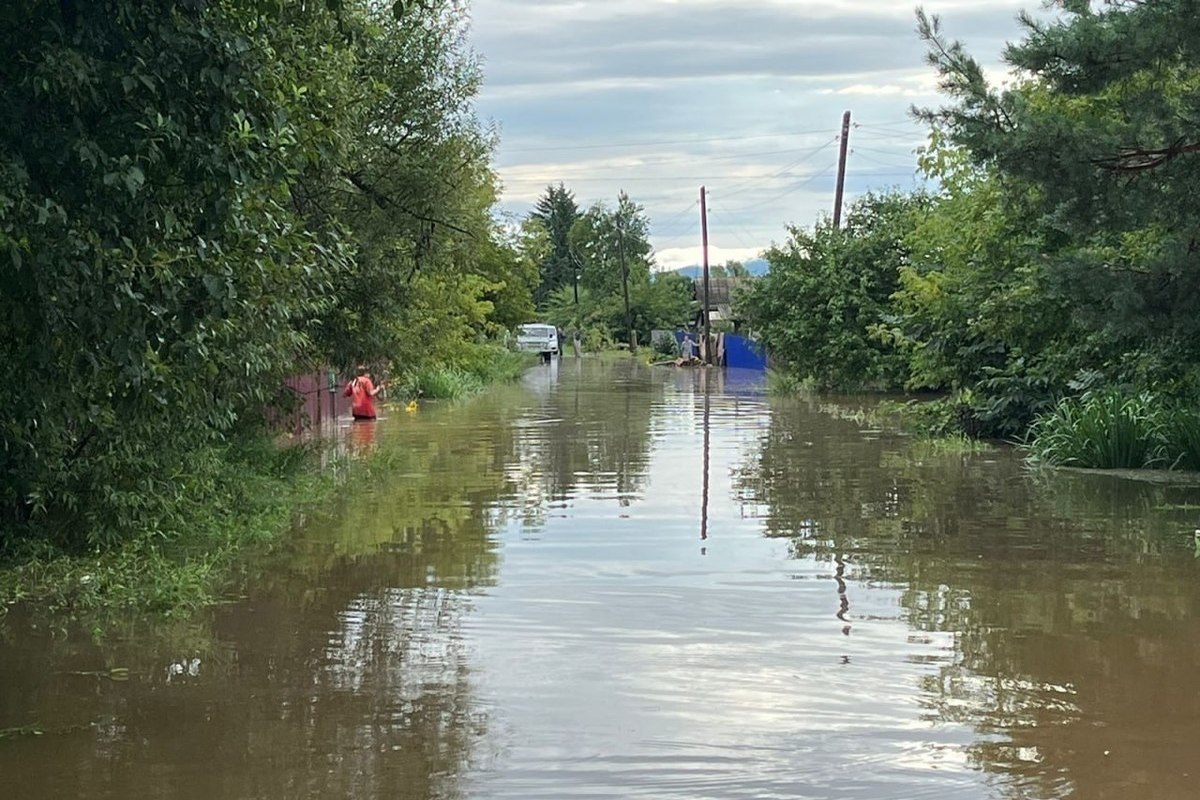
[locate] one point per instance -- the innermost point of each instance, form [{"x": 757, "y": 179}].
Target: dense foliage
[
  {"x": 1060, "y": 252},
  {"x": 829, "y": 289},
  {"x": 554, "y": 215},
  {"x": 600, "y": 280},
  {"x": 198, "y": 198}
]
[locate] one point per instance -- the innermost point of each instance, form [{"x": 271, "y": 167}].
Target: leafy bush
[
  {"x": 666, "y": 347},
  {"x": 597, "y": 339},
  {"x": 822, "y": 308}
]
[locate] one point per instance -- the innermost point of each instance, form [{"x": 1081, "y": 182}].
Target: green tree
[
  {"x": 156, "y": 277},
  {"x": 197, "y": 199},
  {"x": 615, "y": 256},
  {"x": 557, "y": 212},
  {"x": 820, "y": 308},
  {"x": 1096, "y": 144},
  {"x": 730, "y": 269},
  {"x": 977, "y": 311},
  {"x": 411, "y": 188}
]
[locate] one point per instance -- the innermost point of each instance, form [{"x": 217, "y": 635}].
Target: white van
[{"x": 538, "y": 337}]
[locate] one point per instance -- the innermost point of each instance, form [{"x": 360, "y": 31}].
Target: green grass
[
  {"x": 1182, "y": 435},
  {"x": 785, "y": 384},
  {"x": 954, "y": 445},
  {"x": 483, "y": 366},
  {"x": 1109, "y": 430}
]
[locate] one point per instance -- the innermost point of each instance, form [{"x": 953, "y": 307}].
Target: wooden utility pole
[
  {"x": 841, "y": 174},
  {"x": 575, "y": 267},
  {"x": 704, "y": 260},
  {"x": 625, "y": 282}
]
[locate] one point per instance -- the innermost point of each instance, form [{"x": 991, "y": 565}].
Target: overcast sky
[{"x": 657, "y": 97}]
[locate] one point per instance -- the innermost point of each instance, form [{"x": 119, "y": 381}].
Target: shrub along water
[
  {"x": 237, "y": 498},
  {"x": 232, "y": 501},
  {"x": 196, "y": 201},
  {"x": 1032, "y": 268},
  {"x": 485, "y": 365},
  {"x": 1116, "y": 430}
]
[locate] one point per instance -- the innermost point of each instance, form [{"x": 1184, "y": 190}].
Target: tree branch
[
  {"x": 1141, "y": 159},
  {"x": 386, "y": 201}
]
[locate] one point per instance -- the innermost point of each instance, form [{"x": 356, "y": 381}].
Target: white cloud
[
  {"x": 658, "y": 97},
  {"x": 676, "y": 257}
]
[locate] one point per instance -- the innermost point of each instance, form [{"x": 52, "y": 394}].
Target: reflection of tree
[
  {"x": 342, "y": 674},
  {"x": 1071, "y": 598},
  {"x": 585, "y": 435}
]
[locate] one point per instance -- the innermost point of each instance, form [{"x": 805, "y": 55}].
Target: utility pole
[
  {"x": 704, "y": 242},
  {"x": 625, "y": 281},
  {"x": 576, "y": 266},
  {"x": 841, "y": 174}
]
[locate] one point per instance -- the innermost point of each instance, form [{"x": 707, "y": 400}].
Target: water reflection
[
  {"x": 343, "y": 673},
  {"x": 583, "y": 438},
  {"x": 1072, "y": 599},
  {"x": 707, "y": 453},
  {"x": 512, "y": 603}
]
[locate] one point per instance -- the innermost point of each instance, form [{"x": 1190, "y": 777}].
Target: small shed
[{"x": 721, "y": 292}]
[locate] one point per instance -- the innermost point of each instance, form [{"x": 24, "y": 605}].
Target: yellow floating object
[{"x": 411, "y": 407}]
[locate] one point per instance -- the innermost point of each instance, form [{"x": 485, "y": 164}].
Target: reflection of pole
[
  {"x": 704, "y": 480},
  {"x": 843, "y": 601},
  {"x": 704, "y": 260},
  {"x": 625, "y": 283}
]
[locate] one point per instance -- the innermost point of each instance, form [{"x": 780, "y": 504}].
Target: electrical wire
[
  {"x": 654, "y": 143},
  {"x": 743, "y": 186},
  {"x": 795, "y": 188},
  {"x": 872, "y": 160}
]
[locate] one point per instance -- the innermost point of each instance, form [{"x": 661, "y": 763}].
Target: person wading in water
[{"x": 362, "y": 391}]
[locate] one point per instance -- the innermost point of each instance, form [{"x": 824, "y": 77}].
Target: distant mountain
[{"x": 755, "y": 266}]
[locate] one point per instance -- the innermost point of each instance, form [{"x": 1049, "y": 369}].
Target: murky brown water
[{"x": 617, "y": 582}]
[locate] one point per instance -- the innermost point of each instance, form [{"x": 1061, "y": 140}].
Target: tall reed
[
  {"x": 1183, "y": 438},
  {"x": 1107, "y": 430}
]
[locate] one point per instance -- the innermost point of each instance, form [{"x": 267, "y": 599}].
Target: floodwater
[{"x": 612, "y": 581}]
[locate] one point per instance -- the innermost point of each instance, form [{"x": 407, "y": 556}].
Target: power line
[
  {"x": 668, "y": 178},
  {"x": 679, "y": 215},
  {"x": 652, "y": 143},
  {"x": 743, "y": 186},
  {"x": 741, "y": 182},
  {"x": 872, "y": 160},
  {"x": 795, "y": 188},
  {"x": 685, "y": 159},
  {"x": 870, "y": 149},
  {"x": 892, "y": 122}
]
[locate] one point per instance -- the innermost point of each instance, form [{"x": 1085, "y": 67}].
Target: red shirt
[{"x": 362, "y": 392}]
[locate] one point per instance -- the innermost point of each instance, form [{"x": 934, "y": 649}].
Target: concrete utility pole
[
  {"x": 841, "y": 175},
  {"x": 704, "y": 242}
]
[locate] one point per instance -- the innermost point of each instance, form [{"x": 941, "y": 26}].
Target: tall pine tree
[{"x": 557, "y": 213}]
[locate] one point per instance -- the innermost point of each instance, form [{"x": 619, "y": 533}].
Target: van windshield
[{"x": 539, "y": 331}]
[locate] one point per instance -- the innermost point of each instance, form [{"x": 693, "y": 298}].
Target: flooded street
[{"x": 612, "y": 581}]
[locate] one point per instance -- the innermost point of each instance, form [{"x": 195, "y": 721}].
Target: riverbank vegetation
[
  {"x": 487, "y": 364},
  {"x": 196, "y": 201},
  {"x": 1047, "y": 280}
]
